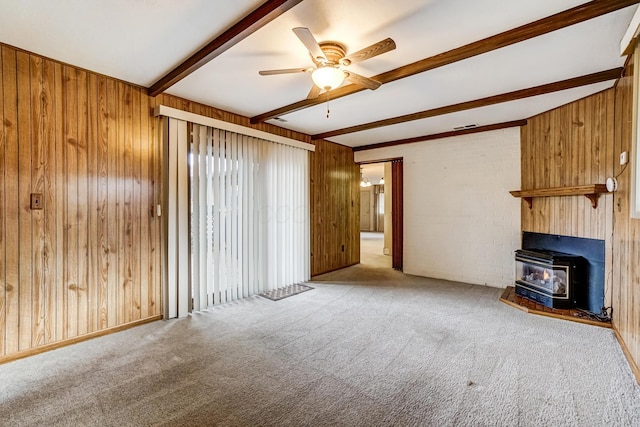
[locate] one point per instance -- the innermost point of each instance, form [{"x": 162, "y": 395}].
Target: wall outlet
[
  {"x": 624, "y": 158},
  {"x": 386, "y": 251},
  {"x": 36, "y": 201}
]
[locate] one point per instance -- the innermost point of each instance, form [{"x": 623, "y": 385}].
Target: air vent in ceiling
[
  {"x": 466, "y": 127},
  {"x": 281, "y": 120}
]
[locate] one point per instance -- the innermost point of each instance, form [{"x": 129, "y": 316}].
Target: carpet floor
[{"x": 366, "y": 347}]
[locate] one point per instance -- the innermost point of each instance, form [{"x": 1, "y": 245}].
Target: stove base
[{"x": 545, "y": 300}]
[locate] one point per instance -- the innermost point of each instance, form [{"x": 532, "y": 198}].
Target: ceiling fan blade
[
  {"x": 284, "y": 71},
  {"x": 314, "y": 92},
  {"x": 369, "y": 52},
  {"x": 362, "y": 80},
  {"x": 305, "y": 36}
]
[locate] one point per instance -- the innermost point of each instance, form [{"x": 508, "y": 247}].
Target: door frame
[{"x": 397, "y": 211}]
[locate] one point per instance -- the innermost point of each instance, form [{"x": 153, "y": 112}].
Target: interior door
[{"x": 365, "y": 210}]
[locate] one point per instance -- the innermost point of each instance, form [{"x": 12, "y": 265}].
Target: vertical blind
[{"x": 249, "y": 222}]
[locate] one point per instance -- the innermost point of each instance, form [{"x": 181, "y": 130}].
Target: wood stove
[{"x": 554, "y": 279}]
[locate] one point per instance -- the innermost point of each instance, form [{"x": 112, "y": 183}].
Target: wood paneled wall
[
  {"x": 626, "y": 231},
  {"x": 580, "y": 143},
  {"x": 334, "y": 190},
  {"x": 89, "y": 260},
  {"x": 571, "y": 145},
  {"x": 335, "y": 208}
]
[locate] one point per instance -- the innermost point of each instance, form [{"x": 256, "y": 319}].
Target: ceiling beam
[
  {"x": 537, "y": 28},
  {"x": 264, "y": 14},
  {"x": 588, "y": 79},
  {"x": 486, "y": 128}
]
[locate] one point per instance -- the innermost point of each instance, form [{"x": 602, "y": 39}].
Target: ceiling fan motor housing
[{"x": 334, "y": 52}]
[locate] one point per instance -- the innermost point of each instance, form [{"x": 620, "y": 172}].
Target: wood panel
[
  {"x": 82, "y": 288},
  {"x": 3, "y": 283},
  {"x": 38, "y": 298},
  {"x": 92, "y": 205},
  {"x": 58, "y": 196},
  {"x": 113, "y": 158},
  {"x": 25, "y": 269},
  {"x": 579, "y": 144},
  {"x": 334, "y": 190},
  {"x": 335, "y": 208},
  {"x": 12, "y": 237},
  {"x": 70, "y": 209},
  {"x": 571, "y": 146},
  {"x": 567, "y": 147},
  {"x": 101, "y": 248},
  {"x": 87, "y": 261},
  {"x": 90, "y": 261},
  {"x": 626, "y": 231},
  {"x": 50, "y": 237}
]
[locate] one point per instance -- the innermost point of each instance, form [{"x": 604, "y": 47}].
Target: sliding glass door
[{"x": 249, "y": 224}]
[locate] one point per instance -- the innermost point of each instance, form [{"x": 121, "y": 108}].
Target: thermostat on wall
[{"x": 612, "y": 184}]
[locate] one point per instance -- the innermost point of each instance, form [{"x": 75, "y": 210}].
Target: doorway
[{"x": 375, "y": 215}]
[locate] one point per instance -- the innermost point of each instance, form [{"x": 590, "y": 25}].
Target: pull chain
[{"x": 328, "y": 111}]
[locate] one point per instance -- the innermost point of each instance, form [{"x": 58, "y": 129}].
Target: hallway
[{"x": 372, "y": 250}]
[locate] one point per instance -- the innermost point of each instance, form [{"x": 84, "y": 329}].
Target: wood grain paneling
[
  {"x": 579, "y": 144},
  {"x": 99, "y": 226},
  {"x": 626, "y": 231},
  {"x": 92, "y": 203},
  {"x": 83, "y": 263},
  {"x": 25, "y": 269},
  {"x": 89, "y": 262},
  {"x": 335, "y": 208},
  {"x": 3, "y": 284},
  {"x": 12, "y": 236},
  {"x": 334, "y": 190},
  {"x": 567, "y": 147},
  {"x": 50, "y": 201}
]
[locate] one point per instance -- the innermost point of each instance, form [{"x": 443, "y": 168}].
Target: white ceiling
[{"x": 141, "y": 40}]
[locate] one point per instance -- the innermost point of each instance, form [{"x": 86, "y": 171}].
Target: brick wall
[{"x": 460, "y": 221}]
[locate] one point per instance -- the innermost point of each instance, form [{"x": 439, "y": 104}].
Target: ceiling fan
[{"x": 330, "y": 60}]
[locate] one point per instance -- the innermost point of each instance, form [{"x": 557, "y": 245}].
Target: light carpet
[{"x": 368, "y": 347}]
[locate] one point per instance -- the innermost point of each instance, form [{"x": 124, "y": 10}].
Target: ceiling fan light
[{"x": 328, "y": 78}]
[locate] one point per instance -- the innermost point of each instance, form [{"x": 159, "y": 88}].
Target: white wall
[{"x": 460, "y": 222}]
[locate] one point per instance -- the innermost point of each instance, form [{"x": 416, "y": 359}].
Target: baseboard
[
  {"x": 627, "y": 354},
  {"x": 70, "y": 341}
]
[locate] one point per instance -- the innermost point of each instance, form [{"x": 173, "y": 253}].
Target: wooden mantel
[{"x": 591, "y": 191}]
